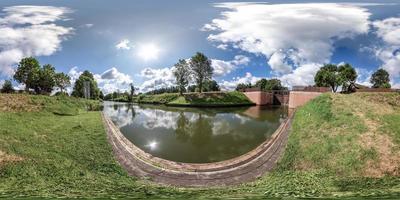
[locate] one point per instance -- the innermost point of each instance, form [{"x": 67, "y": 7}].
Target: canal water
[{"x": 195, "y": 135}]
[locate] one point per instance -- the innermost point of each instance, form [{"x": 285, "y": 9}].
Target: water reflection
[{"x": 193, "y": 134}]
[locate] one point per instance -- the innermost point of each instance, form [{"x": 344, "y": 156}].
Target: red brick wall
[
  {"x": 299, "y": 98},
  {"x": 259, "y": 98}
]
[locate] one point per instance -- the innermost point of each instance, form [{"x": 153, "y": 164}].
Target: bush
[{"x": 7, "y": 87}]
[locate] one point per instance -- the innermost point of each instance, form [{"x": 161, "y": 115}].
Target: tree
[
  {"x": 182, "y": 74},
  {"x": 328, "y": 76},
  {"x": 46, "y": 80},
  {"x": 274, "y": 84},
  {"x": 62, "y": 81},
  {"x": 262, "y": 83},
  {"x": 243, "y": 86},
  {"x": 380, "y": 79},
  {"x": 79, "y": 86},
  {"x": 101, "y": 95},
  {"x": 201, "y": 69},
  {"x": 271, "y": 84},
  {"x": 132, "y": 92},
  {"x": 348, "y": 76},
  {"x": 27, "y": 72},
  {"x": 211, "y": 86},
  {"x": 7, "y": 87},
  {"x": 192, "y": 88}
]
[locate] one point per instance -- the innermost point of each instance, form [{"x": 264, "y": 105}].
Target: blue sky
[{"x": 140, "y": 41}]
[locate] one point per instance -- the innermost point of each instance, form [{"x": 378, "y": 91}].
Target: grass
[
  {"x": 340, "y": 146},
  {"x": 197, "y": 99}
]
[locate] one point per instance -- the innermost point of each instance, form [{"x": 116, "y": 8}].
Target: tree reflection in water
[{"x": 195, "y": 134}]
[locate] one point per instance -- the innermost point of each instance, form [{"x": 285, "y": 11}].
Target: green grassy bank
[
  {"x": 340, "y": 146},
  {"x": 216, "y": 99}
]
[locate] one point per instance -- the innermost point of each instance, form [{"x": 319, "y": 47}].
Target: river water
[{"x": 195, "y": 135}]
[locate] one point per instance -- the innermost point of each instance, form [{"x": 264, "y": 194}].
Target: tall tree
[
  {"x": 27, "y": 72},
  {"x": 262, "y": 83},
  {"x": 182, "y": 74},
  {"x": 328, "y": 76},
  {"x": 201, "y": 68},
  {"x": 78, "y": 90},
  {"x": 211, "y": 86},
  {"x": 132, "y": 92},
  {"x": 46, "y": 81},
  {"x": 380, "y": 79},
  {"x": 348, "y": 76},
  {"x": 7, "y": 87},
  {"x": 62, "y": 81}
]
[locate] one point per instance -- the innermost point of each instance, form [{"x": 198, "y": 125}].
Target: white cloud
[
  {"x": 295, "y": 38},
  {"x": 364, "y": 76},
  {"x": 123, "y": 44},
  {"x": 231, "y": 85},
  {"x": 109, "y": 81},
  {"x": 87, "y": 25},
  {"x": 222, "y": 67},
  {"x": 30, "y": 31},
  {"x": 389, "y": 53},
  {"x": 164, "y": 77},
  {"x": 157, "y": 78}
]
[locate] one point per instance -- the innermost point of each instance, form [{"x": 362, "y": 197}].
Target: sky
[{"x": 123, "y": 42}]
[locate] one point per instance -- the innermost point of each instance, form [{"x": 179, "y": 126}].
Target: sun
[{"x": 148, "y": 51}]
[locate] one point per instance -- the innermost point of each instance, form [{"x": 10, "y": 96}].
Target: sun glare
[{"x": 148, "y": 51}]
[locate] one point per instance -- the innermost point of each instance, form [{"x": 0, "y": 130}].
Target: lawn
[
  {"x": 340, "y": 146},
  {"x": 208, "y": 99}
]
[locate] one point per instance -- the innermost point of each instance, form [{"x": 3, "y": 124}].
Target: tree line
[
  {"x": 44, "y": 79},
  {"x": 263, "y": 84},
  {"x": 345, "y": 76}
]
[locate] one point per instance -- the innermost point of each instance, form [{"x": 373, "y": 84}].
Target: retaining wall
[{"x": 299, "y": 98}]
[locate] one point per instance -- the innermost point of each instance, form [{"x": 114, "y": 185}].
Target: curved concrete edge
[{"x": 234, "y": 171}]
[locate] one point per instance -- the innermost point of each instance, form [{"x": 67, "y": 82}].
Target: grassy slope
[
  {"x": 336, "y": 148},
  {"x": 197, "y": 99},
  {"x": 340, "y": 145}
]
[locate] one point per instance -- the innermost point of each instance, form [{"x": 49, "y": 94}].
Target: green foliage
[
  {"x": 78, "y": 90},
  {"x": 211, "y": 86},
  {"x": 212, "y": 99},
  {"x": 201, "y": 69},
  {"x": 192, "y": 88},
  {"x": 348, "y": 75},
  {"x": 62, "y": 81},
  {"x": 158, "y": 98},
  {"x": 7, "y": 87},
  {"x": 270, "y": 84},
  {"x": 41, "y": 79},
  {"x": 380, "y": 79},
  {"x": 132, "y": 92},
  {"x": 27, "y": 72},
  {"x": 242, "y": 86},
  {"x": 333, "y": 76},
  {"x": 182, "y": 75},
  {"x": 328, "y": 76},
  {"x": 46, "y": 81}
]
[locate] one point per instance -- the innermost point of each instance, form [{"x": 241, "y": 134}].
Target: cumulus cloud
[
  {"x": 109, "y": 81},
  {"x": 157, "y": 78},
  {"x": 164, "y": 77},
  {"x": 123, "y": 44},
  {"x": 389, "y": 31},
  {"x": 30, "y": 31},
  {"x": 231, "y": 85},
  {"x": 222, "y": 67},
  {"x": 295, "y": 38}
]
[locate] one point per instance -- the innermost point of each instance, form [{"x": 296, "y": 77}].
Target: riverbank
[
  {"x": 339, "y": 146},
  {"x": 208, "y": 99}
]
